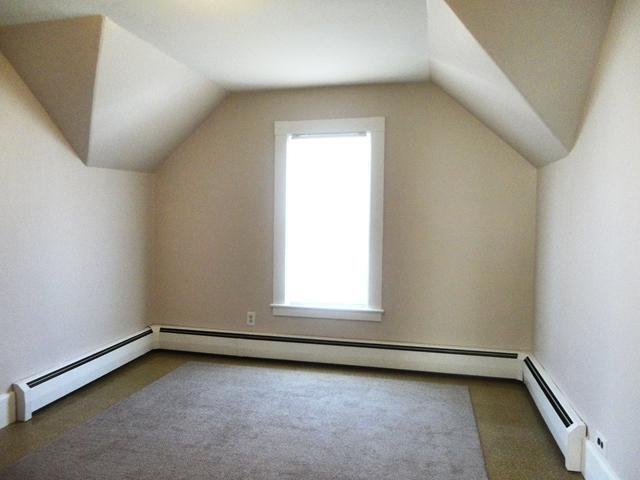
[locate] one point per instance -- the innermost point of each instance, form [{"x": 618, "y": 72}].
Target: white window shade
[{"x": 327, "y": 229}]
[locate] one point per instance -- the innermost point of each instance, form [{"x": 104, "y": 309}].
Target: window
[{"x": 328, "y": 218}]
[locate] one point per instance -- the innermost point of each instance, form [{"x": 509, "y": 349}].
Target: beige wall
[
  {"x": 458, "y": 234},
  {"x": 588, "y": 280},
  {"x": 74, "y": 243}
]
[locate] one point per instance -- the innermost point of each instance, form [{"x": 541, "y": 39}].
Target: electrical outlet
[
  {"x": 601, "y": 442},
  {"x": 251, "y": 318}
]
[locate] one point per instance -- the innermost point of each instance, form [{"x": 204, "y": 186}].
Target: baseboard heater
[
  {"x": 42, "y": 389},
  {"x": 344, "y": 352},
  {"x": 564, "y": 423}
]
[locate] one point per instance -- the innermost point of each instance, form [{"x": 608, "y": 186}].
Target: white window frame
[{"x": 376, "y": 127}]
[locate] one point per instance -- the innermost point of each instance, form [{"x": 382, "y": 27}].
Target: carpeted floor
[{"x": 205, "y": 421}]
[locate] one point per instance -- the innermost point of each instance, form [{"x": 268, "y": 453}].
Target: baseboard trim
[
  {"x": 460, "y": 361},
  {"x": 596, "y": 466},
  {"x": 7, "y": 409}
]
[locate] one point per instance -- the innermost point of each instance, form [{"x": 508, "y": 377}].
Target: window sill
[{"x": 358, "y": 314}]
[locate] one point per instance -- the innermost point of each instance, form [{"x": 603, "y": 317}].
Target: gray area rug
[{"x": 207, "y": 421}]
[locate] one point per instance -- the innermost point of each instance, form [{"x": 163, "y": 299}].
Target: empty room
[{"x": 320, "y": 240}]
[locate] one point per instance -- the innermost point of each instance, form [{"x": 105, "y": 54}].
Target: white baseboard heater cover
[
  {"x": 344, "y": 352},
  {"x": 42, "y": 389},
  {"x": 564, "y": 423}
]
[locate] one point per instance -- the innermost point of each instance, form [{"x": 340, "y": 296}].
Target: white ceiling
[{"x": 249, "y": 44}]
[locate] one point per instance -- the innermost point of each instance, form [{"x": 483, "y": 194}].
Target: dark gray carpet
[{"x": 206, "y": 421}]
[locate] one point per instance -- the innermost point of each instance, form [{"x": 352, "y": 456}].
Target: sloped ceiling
[
  {"x": 547, "y": 48},
  {"x": 523, "y": 67},
  {"x": 461, "y": 67},
  {"x": 119, "y": 101},
  {"x": 58, "y": 61},
  {"x": 145, "y": 103}
]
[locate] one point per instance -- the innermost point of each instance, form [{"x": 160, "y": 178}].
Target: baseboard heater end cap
[{"x": 23, "y": 401}]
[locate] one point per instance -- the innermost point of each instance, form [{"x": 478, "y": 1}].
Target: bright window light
[
  {"x": 327, "y": 212},
  {"x": 329, "y": 182}
]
